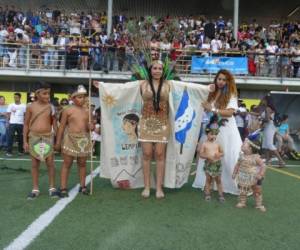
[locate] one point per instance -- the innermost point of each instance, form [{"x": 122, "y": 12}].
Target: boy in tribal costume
[
  {"x": 74, "y": 139},
  {"x": 39, "y": 125}
]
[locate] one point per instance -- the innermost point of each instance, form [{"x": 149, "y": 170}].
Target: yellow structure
[{"x": 9, "y": 96}]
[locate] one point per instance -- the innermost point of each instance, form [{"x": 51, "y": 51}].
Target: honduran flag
[{"x": 184, "y": 118}]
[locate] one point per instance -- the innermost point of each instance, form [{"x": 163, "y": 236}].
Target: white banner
[
  {"x": 120, "y": 151},
  {"x": 121, "y": 154},
  {"x": 185, "y": 119}
]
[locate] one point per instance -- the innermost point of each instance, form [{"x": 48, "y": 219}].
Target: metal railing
[{"x": 104, "y": 58}]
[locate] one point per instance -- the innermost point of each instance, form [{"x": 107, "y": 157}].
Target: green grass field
[{"x": 121, "y": 219}]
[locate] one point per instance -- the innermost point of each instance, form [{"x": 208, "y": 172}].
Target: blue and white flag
[
  {"x": 185, "y": 121},
  {"x": 184, "y": 118}
]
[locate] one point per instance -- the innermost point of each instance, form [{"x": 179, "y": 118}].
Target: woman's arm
[
  {"x": 222, "y": 112},
  {"x": 225, "y": 112}
]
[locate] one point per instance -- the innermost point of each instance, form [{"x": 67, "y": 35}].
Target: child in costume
[
  {"x": 212, "y": 152},
  {"x": 73, "y": 138},
  {"x": 39, "y": 124},
  {"x": 249, "y": 172}
]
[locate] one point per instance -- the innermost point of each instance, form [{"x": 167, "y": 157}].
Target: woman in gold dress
[{"x": 154, "y": 126}]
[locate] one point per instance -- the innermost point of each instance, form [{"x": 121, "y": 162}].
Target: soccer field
[{"x": 121, "y": 219}]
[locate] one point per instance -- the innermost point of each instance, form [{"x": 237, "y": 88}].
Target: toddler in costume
[
  {"x": 212, "y": 152},
  {"x": 249, "y": 172}
]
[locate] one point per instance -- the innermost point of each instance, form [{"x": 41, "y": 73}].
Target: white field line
[{"x": 45, "y": 219}]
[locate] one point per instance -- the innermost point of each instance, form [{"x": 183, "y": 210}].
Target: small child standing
[
  {"x": 39, "y": 124},
  {"x": 212, "y": 152},
  {"x": 73, "y": 135},
  {"x": 249, "y": 173}
]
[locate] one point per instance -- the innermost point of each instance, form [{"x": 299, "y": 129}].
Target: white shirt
[
  {"x": 205, "y": 46},
  {"x": 3, "y": 35},
  {"x": 272, "y": 49},
  {"x": 239, "y": 121},
  {"x": 17, "y": 112},
  {"x": 165, "y": 46},
  {"x": 47, "y": 41},
  {"x": 216, "y": 45},
  {"x": 103, "y": 38},
  {"x": 96, "y": 136}
]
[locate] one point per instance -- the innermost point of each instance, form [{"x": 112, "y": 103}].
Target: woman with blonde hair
[{"x": 223, "y": 102}]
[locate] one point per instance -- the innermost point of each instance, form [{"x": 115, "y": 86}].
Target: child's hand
[
  {"x": 26, "y": 147},
  {"x": 210, "y": 160},
  {"x": 218, "y": 156}
]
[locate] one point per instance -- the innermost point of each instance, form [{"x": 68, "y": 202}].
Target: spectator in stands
[
  {"x": 97, "y": 53},
  {"x": 271, "y": 50},
  {"x": 129, "y": 50},
  {"x": 121, "y": 51},
  {"x": 23, "y": 40},
  {"x": 84, "y": 53},
  {"x": 62, "y": 43},
  {"x": 16, "y": 113},
  {"x": 110, "y": 55},
  {"x": 72, "y": 56},
  {"x": 47, "y": 43},
  {"x": 295, "y": 50},
  {"x": 216, "y": 44},
  {"x": 11, "y": 47},
  {"x": 260, "y": 60},
  {"x": 36, "y": 60},
  {"x": 285, "y": 61},
  {"x": 165, "y": 48}
]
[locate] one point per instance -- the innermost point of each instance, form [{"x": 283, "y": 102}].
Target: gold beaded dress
[{"x": 154, "y": 126}]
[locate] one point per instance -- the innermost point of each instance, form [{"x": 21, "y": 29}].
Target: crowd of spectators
[{"x": 79, "y": 41}]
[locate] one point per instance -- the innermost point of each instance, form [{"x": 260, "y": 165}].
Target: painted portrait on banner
[{"x": 121, "y": 148}]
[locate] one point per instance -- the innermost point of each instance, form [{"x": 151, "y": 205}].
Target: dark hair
[
  {"x": 215, "y": 123},
  {"x": 133, "y": 119},
  {"x": 284, "y": 117},
  {"x": 64, "y": 100},
  {"x": 269, "y": 102},
  {"x": 98, "y": 115},
  {"x": 1, "y": 96},
  {"x": 41, "y": 85},
  {"x": 156, "y": 96},
  {"x": 18, "y": 94}
]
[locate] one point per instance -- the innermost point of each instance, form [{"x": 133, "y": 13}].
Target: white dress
[
  {"x": 230, "y": 140},
  {"x": 268, "y": 135}
]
